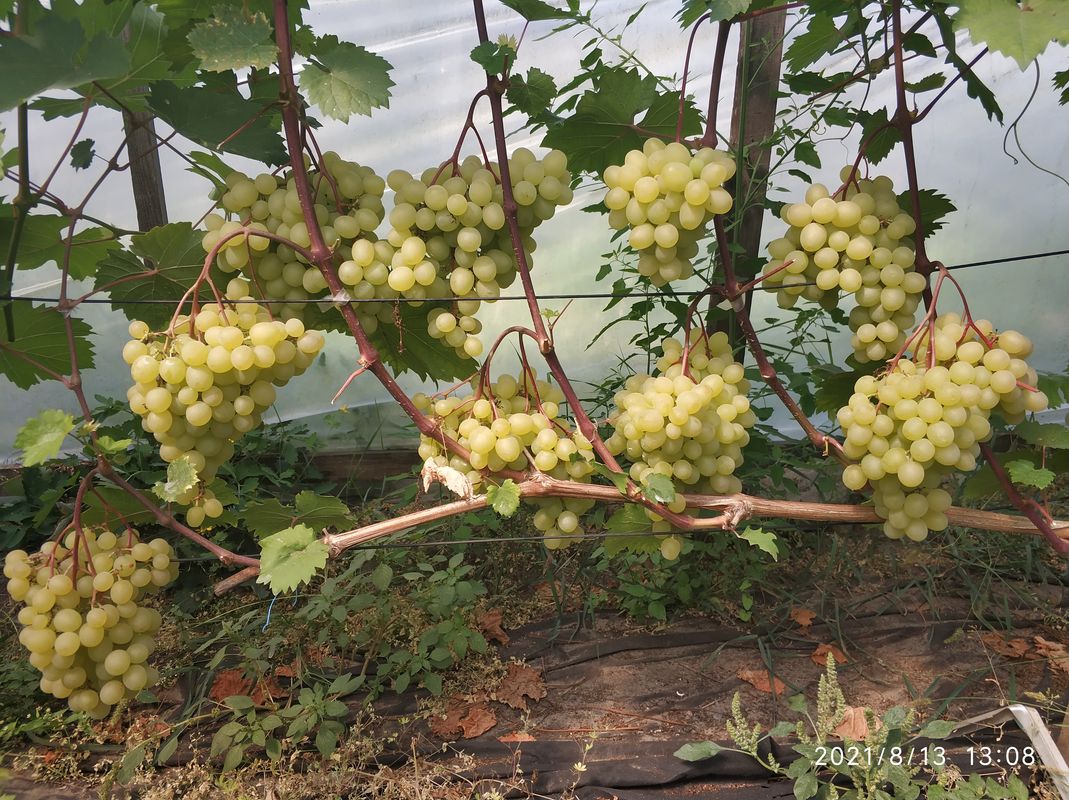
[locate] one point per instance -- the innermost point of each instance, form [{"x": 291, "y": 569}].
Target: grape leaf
[
  {"x": 658, "y": 488},
  {"x": 41, "y": 336},
  {"x": 1025, "y": 473},
  {"x": 210, "y": 116},
  {"x": 1021, "y": 32},
  {"x": 821, "y": 38},
  {"x": 718, "y": 10},
  {"x": 629, "y": 519},
  {"x": 43, "y": 240},
  {"x": 1049, "y": 434},
  {"x": 1061, "y": 81},
  {"x": 504, "y": 499},
  {"x": 233, "y": 39},
  {"x": 879, "y": 135},
  {"x": 57, "y": 55},
  {"x": 934, "y": 207},
  {"x": 407, "y": 346},
  {"x": 40, "y": 437},
  {"x": 926, "y": 84},
  {"x": 697, "y": 751},
  {"x": 290, "y": 558},
  {"x": 532, "y": 94},
  {"x": 601, "y": 132},
  {"x": 181, "y": 477},
  {"x": 535, "y": 10},
  {"x": 111, "y": 446},
  {"x": 82, "y": 154},
  {"x": 345, "y": 79},
  {"x": 175, "y": 258},
  {"x": 761, "y": 539},
  {"x": 310, "y": 509}
]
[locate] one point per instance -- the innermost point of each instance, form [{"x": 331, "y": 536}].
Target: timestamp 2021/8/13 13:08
[{"x": 926, "y": 756}]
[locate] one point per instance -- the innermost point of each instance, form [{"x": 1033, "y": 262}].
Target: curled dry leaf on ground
[
  {"x": 227, "y": 683},
  {"x": 802, "y": 616},
  {"x": 1054, "y": 652},
  {"x": 519, "y": 736},
  {"x": 489, "y": 623},
  {"x": 1010, "y": 648},
  {"x": 762, "y": 681},
  {"x": 854, "y": 724},
  {"x": 820, "y": 655},
  {"x": 520, "y": 683},
  {"x": 464, "y": 719}
]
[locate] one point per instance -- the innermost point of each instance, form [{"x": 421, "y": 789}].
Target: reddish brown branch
[{"x": 709, "y": 138}]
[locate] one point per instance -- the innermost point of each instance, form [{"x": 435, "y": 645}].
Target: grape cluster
[
  {"x": 665, "y": 194},
  {"x": 82, "y": 620},
  {"x": 515, "y": 423},
  {"x": 448, "y": 238},
  {"x": 910, "y": 427},
  {"x": 690, "y": 425},
  {"x": 348, "y": 206},
  {"x": 857, "y": 245},
  {"x": 203, "y": 387}
]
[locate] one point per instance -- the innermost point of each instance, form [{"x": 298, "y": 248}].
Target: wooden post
[
  {"x": 753, "y": 119},
  {"x": 145, "y": 173}
]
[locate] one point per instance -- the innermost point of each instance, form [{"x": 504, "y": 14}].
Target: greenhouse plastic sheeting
[{"x": 959, "y": 152}]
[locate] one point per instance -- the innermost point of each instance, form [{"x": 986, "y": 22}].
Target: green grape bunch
[
  {"x": 448, "y": 238},
  {"x": 515, "y": 424},
  {"x": 690, "y": 423},
  {"x": 82, "y": 618},
  {"x": 664, "y": 195},
  {"x": 348, "y": 206},
  {"x": 857, "y": 245},
  {"x": 205, "y": 383},
  {"x": 925, "y": 417}
]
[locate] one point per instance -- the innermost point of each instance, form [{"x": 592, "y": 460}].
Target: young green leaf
[
  {"x": 291, "y": 558},
  {"x": 41, "y": 437},
  {"x": 345, "y": 79},
  {"x": 181, "y": 477},
  {"x": 658, "y": 488},
  {"x": 532, "y": 94},
  {"x": 233, "y": 39},
  {"x": 504, "y": 499},
  {"x": 761, "y": 539},
  {"x": 113, "y": 447},
  {"x": 493, "y": 57},
  {"x": 629, "y": 519},
  {"x": 618, "y": 479},
  {"x": 697, "y": 751},
  {"x": 1025, "y": 473}
]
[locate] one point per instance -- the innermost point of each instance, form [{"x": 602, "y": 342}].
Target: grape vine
[{"x": 404, "y": 264}]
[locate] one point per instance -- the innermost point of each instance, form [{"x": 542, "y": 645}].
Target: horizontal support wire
[{"x": 581, "y": 296}]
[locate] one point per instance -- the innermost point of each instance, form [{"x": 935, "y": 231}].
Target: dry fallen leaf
[
  {"x": 803, "y": 616},
  {"x": 1011, "y": 648},
  {"x": 820, "y": 655},
  {"x": 489, "y": 623},
  {"x": 1055, "y": 652},
  {"x": 464, "y": 719},
  {"x": 520, "y": 682},
  {"x": 227, "y": 683},
  {"x": 519, "y": 736},
  {"x": 760, "y": 680},
  {"x": 854, "y": 725},
  {"x": 454, "y": 480}
]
